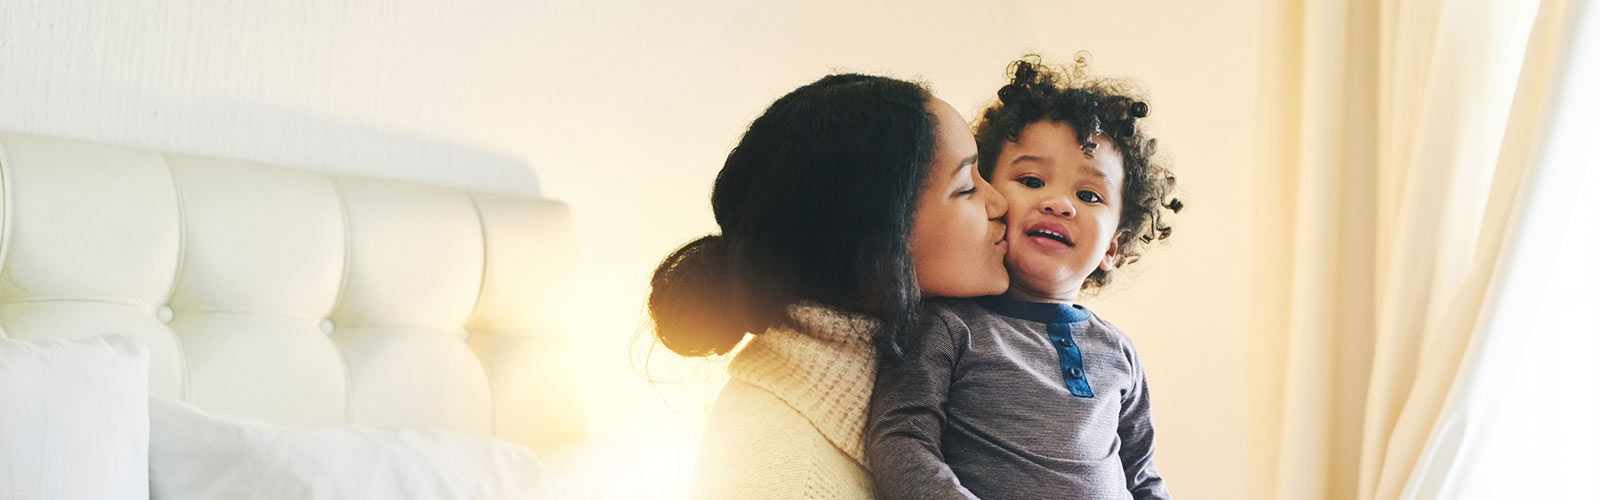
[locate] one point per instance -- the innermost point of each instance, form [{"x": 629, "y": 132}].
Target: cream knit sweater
[{"x": 791, "y": 420}]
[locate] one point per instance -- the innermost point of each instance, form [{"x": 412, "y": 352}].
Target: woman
[{"x": 844, "y": 204}]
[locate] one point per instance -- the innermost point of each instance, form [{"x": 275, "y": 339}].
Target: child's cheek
[{"x": 1014, "y": 212}]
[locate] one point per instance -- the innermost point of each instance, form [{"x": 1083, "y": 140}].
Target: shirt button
[
  {"x": 1062, "y": 342},
  {"x": 1075, "y": 372}
]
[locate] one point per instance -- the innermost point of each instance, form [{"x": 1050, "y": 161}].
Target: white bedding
[
  {"x": 297, "y": 296},
  {"x": 199, "y": 456},
  {"x": 343, "y": 314},
  {"x": 72, "y": 419}
]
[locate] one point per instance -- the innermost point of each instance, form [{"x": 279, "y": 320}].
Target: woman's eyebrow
[{"x": 967, "y": 162}]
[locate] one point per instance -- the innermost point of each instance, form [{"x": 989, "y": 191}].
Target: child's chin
[
  {"x": 1040, "y": 273},
  {"x": 1037, "y": 265}
]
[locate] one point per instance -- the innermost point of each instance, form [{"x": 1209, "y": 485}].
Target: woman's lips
[
  {"x": 1000, "y": 229},
  {"x": 1001, "y": 245}
]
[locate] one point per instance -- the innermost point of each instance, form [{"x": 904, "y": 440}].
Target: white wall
[{"x": 625, "y": 110}]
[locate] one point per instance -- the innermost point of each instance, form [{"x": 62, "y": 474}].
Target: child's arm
[
  {"x": 907, "y": 418},
  {"x": 1138, "y": 439}
]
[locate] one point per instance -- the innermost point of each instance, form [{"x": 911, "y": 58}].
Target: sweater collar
[{"x": 822, "y": 364}]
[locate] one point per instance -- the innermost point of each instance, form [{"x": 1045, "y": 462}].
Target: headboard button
[
  {"x": 326, "y": 326},
  {"x": 164, "y": 313}
]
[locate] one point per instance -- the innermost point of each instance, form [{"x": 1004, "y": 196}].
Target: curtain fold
[
  {"x": 1521, "y": 412},
  {"x": 1413, "y": 131}
]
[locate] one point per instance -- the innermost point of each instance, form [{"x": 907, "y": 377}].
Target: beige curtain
[{"x": 1411, "y": 129}]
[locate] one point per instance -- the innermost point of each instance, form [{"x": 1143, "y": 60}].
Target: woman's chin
[
  {"x": 999, "y": 288},
  {"x": 993, "y": 286}
]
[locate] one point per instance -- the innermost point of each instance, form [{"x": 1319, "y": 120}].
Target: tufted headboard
[{"x": 296, "y": 296}]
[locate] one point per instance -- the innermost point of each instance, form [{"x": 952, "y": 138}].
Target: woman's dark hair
[
  {"x": 1106, "y": 107},
  {"x": 815, "y": 203}
]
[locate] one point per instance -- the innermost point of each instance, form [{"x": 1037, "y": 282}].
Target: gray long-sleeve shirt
[{"x": 1002, "y": 399}]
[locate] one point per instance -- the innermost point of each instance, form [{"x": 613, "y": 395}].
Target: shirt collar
[{"x": 1043, "y": 312}]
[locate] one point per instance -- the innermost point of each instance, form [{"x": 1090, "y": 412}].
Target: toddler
[{"x": 1029, "y": 395}]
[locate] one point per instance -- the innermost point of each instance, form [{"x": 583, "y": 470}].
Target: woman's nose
[{"x": 993, "y": 203}]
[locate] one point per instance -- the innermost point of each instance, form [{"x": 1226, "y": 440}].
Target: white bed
[{"x": 295, "y": 296}]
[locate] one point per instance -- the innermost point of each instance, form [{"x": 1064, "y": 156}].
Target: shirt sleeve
[
  {"x": 907, "y": 417},
  {"x": 1138, "y": 438}
]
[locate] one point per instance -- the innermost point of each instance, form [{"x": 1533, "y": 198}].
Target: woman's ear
[{"x": 1109, "y": 260}]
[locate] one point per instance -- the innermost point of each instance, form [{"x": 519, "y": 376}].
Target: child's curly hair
[{"x": 1107, "y": 107}]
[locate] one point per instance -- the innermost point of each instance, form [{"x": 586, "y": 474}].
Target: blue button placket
[
  {"x": 1071, "y": 359},
  {"x": 1058, "y": 320}
]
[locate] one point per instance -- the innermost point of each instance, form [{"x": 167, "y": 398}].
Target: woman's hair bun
[{"x": 695, "y": 301}]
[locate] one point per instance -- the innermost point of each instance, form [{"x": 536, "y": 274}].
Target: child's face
[
  {"x": 1062, "y": 212},
  {"x": 957, "y": 235}
]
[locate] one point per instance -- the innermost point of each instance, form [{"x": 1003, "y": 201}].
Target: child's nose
[{"x": 1060, "y": 205}]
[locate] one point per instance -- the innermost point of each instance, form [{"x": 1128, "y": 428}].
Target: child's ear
[{"x": 1109, "y": 260}]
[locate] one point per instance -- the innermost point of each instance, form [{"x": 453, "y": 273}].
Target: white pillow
[
  {"x": 199, "y": 456},
  {"x": 73, "y": 422}
]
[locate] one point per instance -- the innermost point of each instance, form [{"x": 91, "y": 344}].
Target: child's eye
[
  {"x": 1089, "y": 196},
  {"x": 1032, "y": 182}
]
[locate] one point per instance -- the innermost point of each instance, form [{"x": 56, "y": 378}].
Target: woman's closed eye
[
  {"x": 1089, "y": 196},
  {"x": 967, "y": 192}
]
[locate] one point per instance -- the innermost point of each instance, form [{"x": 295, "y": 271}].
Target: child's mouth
[{"x": 1049, "y": 234}]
